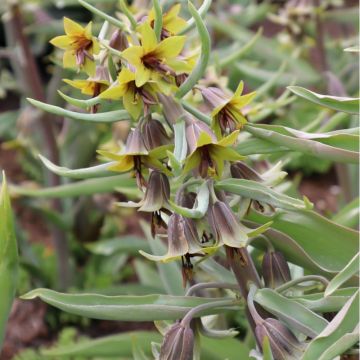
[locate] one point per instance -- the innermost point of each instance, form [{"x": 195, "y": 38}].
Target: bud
[
  {"x": 172, "y": 110},
  {"x": 283, "y": 343},
  {"x": 135, "y": 143},
  {"x": 225, "y": 226},
  {"x": 178, "y": 343},
  {"x": 154, "y": 134},
  {"x": 214, "y": 96},
  {"x": 157, "y": 192},
  {"x": 275, "y": 269},
  {"x": 118, "y": 40},
  {"x": 240, "y": 170},
  {"x": 193, "y": 131}
]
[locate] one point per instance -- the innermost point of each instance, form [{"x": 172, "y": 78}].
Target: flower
[
  {"x": 178, "y": 343},
  {"x": 171, "y": 22},
  {"x": 136, "y": 156},
  {"x": 206, "y": 153},
  {"x": 275, "y": 269},
  {"x": 154, "y": 133},
  {"x": 153, "y": 60},
  {"x": 134, "y": 97},
  {"x": 79, "y": 46},
  {"x": 89, "y": 86},
  {"x": 226, "y": 114}
]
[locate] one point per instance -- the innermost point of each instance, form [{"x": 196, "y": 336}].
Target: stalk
[{"x": 27, "y": 71}]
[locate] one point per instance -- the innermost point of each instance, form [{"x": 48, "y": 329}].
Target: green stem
[
  {"x": 128, "y": 14},
  {"x": 302, "y": 279},
  {"x": 211, "y": 285},
  {"x": 158, "y": 22}
]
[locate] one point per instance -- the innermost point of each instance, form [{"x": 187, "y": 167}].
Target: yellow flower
[
  {"x": 91, "y": 87},
  {"x": 79, "y": 46},
  {"x": 153, "y": 60},
  {"x": 134, "y": 97},
  {"x": 227, "y": 113},
  {"x": 172, "y": 24},
  {"x": 209, "y": 155}
]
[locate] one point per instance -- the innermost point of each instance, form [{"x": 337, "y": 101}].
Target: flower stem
[
  {"x": 211, "y": 285},
  {"x": 302, "y": 279}
]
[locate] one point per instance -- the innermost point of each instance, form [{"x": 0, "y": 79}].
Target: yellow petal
[
  {"x": 172, "y": 22},
  {"x": 242, "y": 100},
  {"x": 125, "y": 164},
  {"x": 203, "y": 139},
  {"x": 230, "y": 139},
  {"x": 133, "y": 104},
  {"x": 125, "y": 76},
  {"x": 62, "y": 42},
  {"x": 78, "y": 84},
  {"x": 95, "y": 48},
  {"x": 88, "y": 31},
  {"x": 133, "y": 55},
  {"x": 114, "y": 93},
  {"x": 69, "y": 60},
  {"x": 218, "y": 108},
  {"x": 239, "y": 89},
  {"x": 179, "y": 66},
  {"x": 170, "y": 47},
  {"x": 142, "y": 75},
  {"x": 110, "y": 155},
  {"x": 89, "y": 67},
  {"x": 192, "y": 161},
  {"x": 148, "y": 37},
  {"x": 71, "y": 27}
]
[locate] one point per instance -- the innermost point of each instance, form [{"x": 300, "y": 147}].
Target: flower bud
[
  {"x": 178, "y": 343},
  {"x": 172, "y": 110},
  {"x": 240, "y": 170},
  {"x": 193, "y": 131},
  {"x": 154, "y": 133},
  {"x": 118, "y": 40},
  {"x": 157, "y": 192},
  {"x": 275, "y": 269},
  {"x": 283, "y": 343},
  {"x": 135, "y": 143},
  {"x": 214, "y": 96}
]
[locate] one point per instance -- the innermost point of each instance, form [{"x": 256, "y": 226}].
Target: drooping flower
[
  {"x": 172, "y": 23},
  {"x": 275, "y": 269},
  {"x": 136, "y": 157},
  {"x": 154, "y": 133},
  {"x": 79, "y": 45},
  {"x": 136, "y": 99},
  {"x": 153, "y": 60},
  {"x": 207, "y": 154},
  {"x": 227, "y": 112}
]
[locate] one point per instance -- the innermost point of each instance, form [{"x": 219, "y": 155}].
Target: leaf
[
  {"x": 8, "y": 259},
  {"x": 107, "y": 117},
  {"x": 331, "y": 146},
  {"x": 110, "y": 19},
  {"x": 203, "y": 60},
  {"x": 121, "y": 183},
  {"x": 85, "y": 173},
  {"x": 257, "y": 191},
  {"x": 352, "y": 49},
  {"x": 125, "y": 308},
  {"x": 124, "y": 244},
  {"x": 291, "y": 312},
  {"x": 83, "y": 104},
  {"x": 345, "y": 104},
  {"x": 202, "y": 12},
  {"x": 180, "y": 149},
  {"x": 337, "y": 332},
  {"x": 303, "y": 235},
  {"x": 344, "y": 275},
  {"x": 158, "y": 19},
  {"x": 267, "y": 349},
  {"x": 349, "y": 214}
]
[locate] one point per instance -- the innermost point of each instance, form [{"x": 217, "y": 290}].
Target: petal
[
  {"x": 110, "y": 155},
  {"x": 179, "y": 66},
  {"x": 69, "y": 60},
  {"x": 239, "y": 89},
  {"x": 89, "y": 67},
  {"x": 142, "y": 75},
  {"x": 95, "y": 48},
  {"x": 114, "y": 93},
  {"x": 62, "y": 42},
  {"x": 88, "y": 31},
  {"x": 242, "y": 100},
  {"x": 125, "y": 164},
  {"x": 133, "y": 104},
  {"x": 86, "y": 87},
  {"x": 192, "y": 162},
  {"x": 230, "y": 139},
  {"x": 170, "y": 47},
  {"x": 126, "y": 76},
  {"x": 203, "y": 139},
  {"x": 71, "y": 27},
  {"x": 133, "y": 55},
  {"x": 148, "y": 37}
]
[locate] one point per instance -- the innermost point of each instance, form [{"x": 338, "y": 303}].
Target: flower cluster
[{"x": 140, "y": 70}]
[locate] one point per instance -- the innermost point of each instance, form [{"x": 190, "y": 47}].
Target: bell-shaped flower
[
  {"x": 135, "y": 156},
  {"x": 275, "y": 269},
  {"x": 153, "y": 60},
  {"x": 79, "y": 46},
  {"x": 207, "y": 154},
  {"x": 172, "y": 23},
  {"x": 178, "y": 343},
  {"x": 135, "y": 99},
  {"x": 227, "y": 112},
  {"x": 154, "y": 133}
]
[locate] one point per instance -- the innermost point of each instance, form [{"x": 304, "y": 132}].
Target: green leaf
[
  {"x": 335, "y": 146},
  {"x": 124, "y": 8},
  {"x": 8, "y": 259},
  {"x": 202, "y": 12},
  {"x": 158, "y": 21},
  {"x": 352, "y": 49},
  {"x": 121, "y": 183},
  {"x": 107, "y": 117},
  {"x": 203, "y": 60},
  {"x": 344, "y": 275},
  {"x": 124, "y": 244},
  {"x": 337, "y": 332},
  {"x": 125, "y": 308},
  {"x": 85, "y": 173},
  {"x": 257, "y": 191},
  {"x": 345, "y": 104},
  {"x": 83, "y": 104},
  {"x": 110, "y": 19},
  {"x": 349, "y": 214},
  {"x": 291, "y": 312},
  {"x": 180, "y": 149},
  {"x": 303, "y": 235}
]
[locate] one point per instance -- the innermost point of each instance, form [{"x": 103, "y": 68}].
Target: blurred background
[{"x": 95, "y": 245}]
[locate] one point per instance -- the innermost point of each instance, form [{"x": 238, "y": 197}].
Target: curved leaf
[
  {"x": 107, "y": 117},
  {"x": 345, "y": 104},
  {"x": 8, "y": 259},
  {"x": 202, "y": 12},
  {"x": 125, "y": 308},
  {"x": 203, "y": 60}
]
